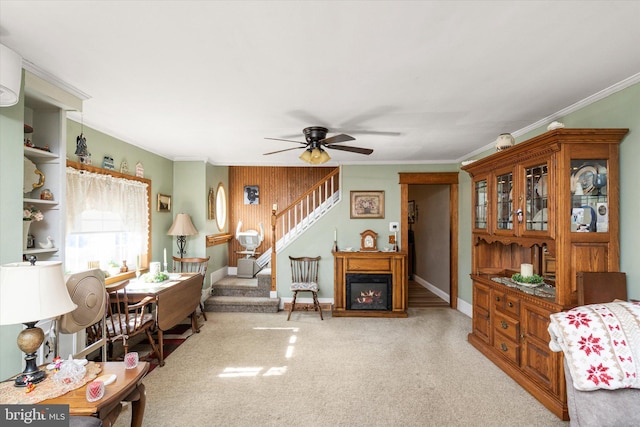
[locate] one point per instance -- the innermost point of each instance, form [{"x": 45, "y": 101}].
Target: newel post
[{"x": 273, "y": 247}]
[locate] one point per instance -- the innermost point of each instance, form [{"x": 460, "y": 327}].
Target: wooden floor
[{"x": 421, "y": 297}]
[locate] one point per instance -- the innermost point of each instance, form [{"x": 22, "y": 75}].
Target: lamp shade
[
  {"x": 30, "y": 293},
  {"x": 182, "y": 226},
  {"x": 10, "y": 76},
  {"x": 306, "y": 156}
]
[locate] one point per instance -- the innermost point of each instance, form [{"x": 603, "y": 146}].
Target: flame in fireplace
[{"x": 369, "y": 297}]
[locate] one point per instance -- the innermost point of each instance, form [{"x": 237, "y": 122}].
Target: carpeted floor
[
  {"x": 250, "y": 369},
  {"x": 172, "y": 339}
]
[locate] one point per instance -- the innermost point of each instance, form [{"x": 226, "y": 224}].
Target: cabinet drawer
[
  {"x": 506, "y": 347},
  {"x": 507, "y": 326},
  {"x": 512, "y": 305},
  {"x": 498, "y": 299}
]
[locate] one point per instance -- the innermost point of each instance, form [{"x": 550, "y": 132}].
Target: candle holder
[
  {"x": 165, "y": 267},
  {"x": 335, "y": 246}
]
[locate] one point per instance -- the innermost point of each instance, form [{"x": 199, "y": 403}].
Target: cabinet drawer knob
[
  {"x": 498, "y": 299},
  {"x": 504, "y": 347},
  {"x": 510, "y": 304},
  {"x": 504, "y": 324}
]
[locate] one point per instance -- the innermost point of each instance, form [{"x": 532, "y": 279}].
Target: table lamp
[
  {"x": 31, "y": 292},
  {"x": 182, "y": 227}
]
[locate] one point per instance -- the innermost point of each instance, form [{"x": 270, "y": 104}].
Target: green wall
[{"x": 11, "y": 173}]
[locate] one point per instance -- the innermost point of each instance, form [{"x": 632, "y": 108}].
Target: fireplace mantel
[{"x": 394, "y": 263}]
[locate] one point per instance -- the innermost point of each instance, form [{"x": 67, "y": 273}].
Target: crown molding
[
  {"x": 50, "y": 78},
  {"x": 617, "y": 87}
]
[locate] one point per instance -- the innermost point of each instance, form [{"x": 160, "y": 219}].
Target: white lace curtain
[{"x": 93, "y": 191}]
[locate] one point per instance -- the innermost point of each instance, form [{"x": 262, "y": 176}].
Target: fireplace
[{"x": 369, "y": 291}]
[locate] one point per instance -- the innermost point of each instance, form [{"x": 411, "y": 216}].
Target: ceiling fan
[{"x": 317, "y": 143}]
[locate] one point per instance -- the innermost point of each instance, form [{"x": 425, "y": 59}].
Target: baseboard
[
  {"x": 306, "y": 306},
  {"x": 465, "y": 308}
]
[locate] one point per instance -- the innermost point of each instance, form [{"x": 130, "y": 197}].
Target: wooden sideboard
[
  {"x": 375, "y": 263},
  {"x": 553, "y": 202}
]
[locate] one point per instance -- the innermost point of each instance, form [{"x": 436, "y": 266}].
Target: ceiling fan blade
[
  {"x": 375, "y": 132},
  {"x": 358, "y": 150},
  {"x": 280, "y": 151},
  {"x": 337, "y": 138},
  {"x": 287, "y": 140}
]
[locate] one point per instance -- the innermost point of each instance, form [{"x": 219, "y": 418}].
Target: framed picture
[
  {"x": 411, "y": 212},
  {"x": 211, "y": 204},
  {"x": 164, "y": 203},
  {"x": 367, "y": 204},
  {"x": 251, "y": 195}
]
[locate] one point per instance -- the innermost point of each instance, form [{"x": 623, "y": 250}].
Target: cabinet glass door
[
  {"x": 589, "y": 202},
  {"x": 504, "y": 203},
  {"x": 480, "y": 205},
  {"x": 536, "y": 190}
]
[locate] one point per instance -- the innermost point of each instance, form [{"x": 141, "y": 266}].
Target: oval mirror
[{"x": 221, "y": 207}]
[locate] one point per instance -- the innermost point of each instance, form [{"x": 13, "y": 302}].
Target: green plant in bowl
[
  {"x": 531, "y": 280},
  {"x": 157, "y": 278}
]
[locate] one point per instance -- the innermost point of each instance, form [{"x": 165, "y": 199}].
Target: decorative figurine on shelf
[
  {"x": 48, "y": 244},
  {"x": 82, "y": 150},
  {"x": 139, "y": 170},
  {"x": 124, "y": 268},
  {"x": 124, "y": 167},
  {"x": 46, "y": 194},
  {"x": 107, "y": 163}
]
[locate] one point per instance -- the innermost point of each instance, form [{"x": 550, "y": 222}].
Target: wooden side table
[{"x": 128, "y": 387}]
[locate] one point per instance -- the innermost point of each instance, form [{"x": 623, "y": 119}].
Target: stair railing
[{"x": 296, "y": 218}]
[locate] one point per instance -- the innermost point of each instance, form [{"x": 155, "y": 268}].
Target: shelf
[
  {"x": 34, "y": 152},
  {"x": 40, "y": 251},
  {"x": 40, "y": 201}
]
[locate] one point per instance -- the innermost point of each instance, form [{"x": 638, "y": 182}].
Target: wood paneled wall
[{"x": 277, "y": 185}]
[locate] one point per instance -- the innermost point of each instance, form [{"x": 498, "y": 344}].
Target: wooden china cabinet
[{"x": 551, "y": 201}]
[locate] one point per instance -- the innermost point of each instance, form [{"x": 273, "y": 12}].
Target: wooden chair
[
  {"x": 304, "y": 278},
  {"x": 125, "y": 320},
  {"x": 601, "y": 287},
  {"x": 192, "y": 265}
]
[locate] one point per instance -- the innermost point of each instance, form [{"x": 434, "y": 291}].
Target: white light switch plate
[{"x": 394, "y": 226}]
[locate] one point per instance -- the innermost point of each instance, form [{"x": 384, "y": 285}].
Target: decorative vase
[
  {"x": 25, "y": 234},
  {"x": 504, "y": 141}
]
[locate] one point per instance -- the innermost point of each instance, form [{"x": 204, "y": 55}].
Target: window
[{"x": 107, "y": 221}]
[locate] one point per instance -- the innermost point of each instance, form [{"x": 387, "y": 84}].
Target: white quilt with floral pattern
[{"x": 601, "y": 344}]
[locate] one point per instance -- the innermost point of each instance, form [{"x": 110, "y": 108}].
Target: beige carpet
[{"x": 247, "y": 369}]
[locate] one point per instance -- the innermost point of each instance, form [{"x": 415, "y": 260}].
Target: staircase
[
  {"x": 253, "y": 295},
  {"x": 233, "y": 294}
]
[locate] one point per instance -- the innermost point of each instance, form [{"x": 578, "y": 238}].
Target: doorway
[{"x": 439, "y": 181}]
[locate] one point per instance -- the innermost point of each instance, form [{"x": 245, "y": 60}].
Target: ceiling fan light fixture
[
  {"x": 324, "y": 157},
  {"x": 319, "y": 156},
  {"x": 306, "y": 156}
]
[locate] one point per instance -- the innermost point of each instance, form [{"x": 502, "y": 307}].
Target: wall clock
[{"x": 368, "y": 240}]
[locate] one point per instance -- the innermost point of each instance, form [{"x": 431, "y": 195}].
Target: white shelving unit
[{"x": 45, "y": 111}]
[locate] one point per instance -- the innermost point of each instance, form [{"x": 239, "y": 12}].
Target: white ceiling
[{"x": 417, "y": 81}]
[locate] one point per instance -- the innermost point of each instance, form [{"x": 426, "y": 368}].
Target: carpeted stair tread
[
  {"x": 230, "y": 282},
  {"x": 244, "y": 304},
  {"x": 235, "y": 294},
  {"x": 241, "y": 299}
]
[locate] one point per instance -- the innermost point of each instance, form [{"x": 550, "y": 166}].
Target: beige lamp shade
[
  {"x": 182, "y": 226},
  {"x": 10, "y": 76},
  {"x": 30, "y": 293}
]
